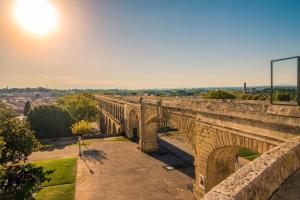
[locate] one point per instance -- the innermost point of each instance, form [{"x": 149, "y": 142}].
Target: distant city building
[{"x": 245, "y": 87}]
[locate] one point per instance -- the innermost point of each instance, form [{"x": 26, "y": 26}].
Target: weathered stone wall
[
  {"x": 260, "y": 178},
  {"x": 219, "y": 128}
]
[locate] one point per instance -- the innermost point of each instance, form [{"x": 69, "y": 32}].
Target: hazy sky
[{"x": 152, "y": 44}]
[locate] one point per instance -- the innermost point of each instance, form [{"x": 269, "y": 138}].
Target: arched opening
[
  {"x": 221, "y": 164},
  {"x": 224, "y": 161},
  {"x": 134, "y": 126},
  {"x": 114, "y": 129},
  {"x": 109, "y": 126},
  {"x": 149, "y": 136}
]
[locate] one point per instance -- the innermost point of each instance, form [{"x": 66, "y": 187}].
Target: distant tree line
[{"x": 224, "y": 94}]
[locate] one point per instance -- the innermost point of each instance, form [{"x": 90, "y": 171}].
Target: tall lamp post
[{"x": 79, "y": 141}]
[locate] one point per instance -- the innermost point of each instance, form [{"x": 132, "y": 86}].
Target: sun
[{"x": 36, "y": 16}]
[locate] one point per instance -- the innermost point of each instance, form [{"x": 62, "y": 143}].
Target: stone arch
[
  {"x": 134, "y": 125},
  {"x": 148, "y": 140},
  {"x": 114, "y": 129},
  {"x": 109, "y": 126},
  {"x": 217, "y": 150}
]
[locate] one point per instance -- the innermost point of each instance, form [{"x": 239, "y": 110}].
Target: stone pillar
[{"x": 148, "y": 132}]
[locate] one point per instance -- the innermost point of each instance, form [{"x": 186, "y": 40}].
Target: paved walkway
[{"x": 117, "y": 170}]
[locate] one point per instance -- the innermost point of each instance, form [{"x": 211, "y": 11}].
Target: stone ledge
[{"x": 260, "y": 178}]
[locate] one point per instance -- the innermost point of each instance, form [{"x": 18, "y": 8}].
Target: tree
[
  {"x": 218, "y": 94},
  {"x": 282, "y": 96},
  {"x": 80, "y": 106},
  {"x": 49, "y": 121},
  {"x": 27, "y": 107},
  {"x": 17, "y": 141},
  {"x": 81, "y": 128}
]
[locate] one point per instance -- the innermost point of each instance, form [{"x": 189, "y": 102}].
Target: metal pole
[
  {"x": 79, "y": 139},
  {"x": 271, "y": 82},
  {"x": 298, "y": 81}
]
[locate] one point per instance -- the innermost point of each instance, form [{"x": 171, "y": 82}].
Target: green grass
[
  {"x": 62, "y": 181},
  {"x": 251, "y": 157},
  {"x": 247, "y": 154},
  {"x": 58, "y": 192},
  {"x": 64, "y": 171}
]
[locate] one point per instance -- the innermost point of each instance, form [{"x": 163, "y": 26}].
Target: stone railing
[{"x": 259, "y": 179}]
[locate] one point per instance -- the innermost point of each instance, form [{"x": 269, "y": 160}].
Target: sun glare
[{"x": 36, "y": 16}]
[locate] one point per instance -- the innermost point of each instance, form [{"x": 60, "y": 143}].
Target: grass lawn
[
  {"x": 62, "y": 183},
  {"x": 57, "y": 192},
  {"x": 247, "y": 154}
]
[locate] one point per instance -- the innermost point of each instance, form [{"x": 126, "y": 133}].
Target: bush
[
  {"x": 50, "y": 122},
  {"x": 218, "y": 94},
  {"x": 20, "y": 181}
]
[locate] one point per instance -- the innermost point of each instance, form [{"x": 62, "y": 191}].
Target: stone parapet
[{"x": 259, "y": 179}]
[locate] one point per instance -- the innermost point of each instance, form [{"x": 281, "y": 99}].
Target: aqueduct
[{"x": 217, "y": 128}]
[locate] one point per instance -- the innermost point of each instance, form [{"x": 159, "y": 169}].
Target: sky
[{"x": 139, "y": 44}]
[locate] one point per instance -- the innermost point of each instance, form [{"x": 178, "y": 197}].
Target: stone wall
[{"x": 259, "y": 179}]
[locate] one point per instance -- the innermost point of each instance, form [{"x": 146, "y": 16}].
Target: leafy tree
[
  {"x": 27, "y": 107},
  {"x": 218, "y": 94},
  {"x": 49, "y": 121},
  {"x": 17, "y": 141},
  {"x": 282, "y": 96},
  {"x": 80, "y": 106},
  {"x": 82, "y": 128}
]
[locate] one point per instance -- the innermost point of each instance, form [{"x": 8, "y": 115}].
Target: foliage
[
  {"x": 218, "y": 94},
  {"x": 257, "y": 96},
  {"x": 278, "y": 96},
  {"x": 27, "y": 107},
  {"x": 81, "y": 128},
  {"x": 19, "y": 139},
  {"x": 49, "y": 121},
  {"x": 20, "y": 181},
  {"x": 80, "y": 106}
]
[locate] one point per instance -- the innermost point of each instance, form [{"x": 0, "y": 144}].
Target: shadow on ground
[
  {"x": 92, "y": 155},
  {"x": 175, "y": 157}
]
